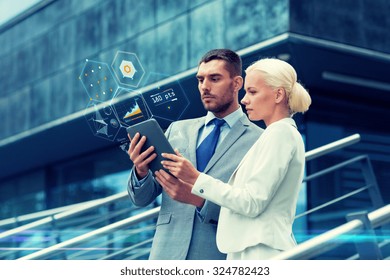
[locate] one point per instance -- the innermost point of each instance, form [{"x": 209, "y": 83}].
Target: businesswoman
[{"x": 259, "y": 201}]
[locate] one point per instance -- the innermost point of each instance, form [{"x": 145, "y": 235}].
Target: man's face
[{"x": 217, "y": 88}]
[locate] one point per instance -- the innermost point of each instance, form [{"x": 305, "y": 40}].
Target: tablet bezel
[{"x": 154, "y": 137}]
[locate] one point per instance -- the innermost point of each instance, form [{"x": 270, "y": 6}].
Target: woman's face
[{"x": 259, "y": 99}]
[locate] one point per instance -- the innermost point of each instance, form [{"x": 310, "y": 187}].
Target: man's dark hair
[{"x": 232, "y": 59}]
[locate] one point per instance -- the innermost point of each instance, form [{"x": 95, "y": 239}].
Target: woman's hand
[
  {"x": 180, "y": 167},
  {"x": 177, "y": 189}
]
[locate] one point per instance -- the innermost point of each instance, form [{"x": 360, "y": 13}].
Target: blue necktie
[{"x": 206, "y": 149}]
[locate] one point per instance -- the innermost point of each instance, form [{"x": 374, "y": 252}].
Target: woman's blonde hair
[{"x": 280, "y": 74}]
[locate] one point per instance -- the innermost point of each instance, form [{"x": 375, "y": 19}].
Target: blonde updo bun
[{"x": 280, "y": 74}]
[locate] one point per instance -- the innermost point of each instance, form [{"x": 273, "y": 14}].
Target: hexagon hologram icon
[
  {"x": 115, "y": 103},
  {"x": 98, "y": 81},
  {"x": 167, "y": 101},
  {"x": 127, "y": 69},
  {"x": 130, "y": 111},
  {"x": 102, "y": 120}
]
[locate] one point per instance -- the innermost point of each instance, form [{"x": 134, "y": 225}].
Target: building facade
[{"x": 50, "y": 156}]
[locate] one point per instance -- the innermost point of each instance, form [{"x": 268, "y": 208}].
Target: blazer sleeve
[
  {"x": 209, "y": 213},
  {"x": 142, "y": 194},
  {"x": 257, "y": 179}
]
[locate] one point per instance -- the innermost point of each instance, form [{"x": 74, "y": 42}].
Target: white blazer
[{"x": 259, "y": 201}]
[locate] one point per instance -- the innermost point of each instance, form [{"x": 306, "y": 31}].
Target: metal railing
[
  {"x": 104, "y": 230},
  {"x": 59, "y": 226},
  {"x": 371, "y": 184},
  {"x": 138, "y": 249},
  {"x": 61, "y": 213},
  {"x": 331, "y": 147},
  {"x": 38, "y": 215},
  {"x": 65, "y": 214},
  {"x": 344, "y": 234},
  {"x": 153, "y": 213}
]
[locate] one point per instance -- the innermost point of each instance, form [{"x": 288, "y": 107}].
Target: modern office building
[{"x": 75, "y": 74}]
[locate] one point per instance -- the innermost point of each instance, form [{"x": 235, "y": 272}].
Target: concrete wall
[
  {"x": 42, "y": 56},
  {"x": 361, "y": 23}
]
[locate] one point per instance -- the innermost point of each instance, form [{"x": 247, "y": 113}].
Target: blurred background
[{"x": 75, "y": 74}]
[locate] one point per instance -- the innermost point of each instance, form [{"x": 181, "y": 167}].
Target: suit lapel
[{"x": 236, "y": 131}]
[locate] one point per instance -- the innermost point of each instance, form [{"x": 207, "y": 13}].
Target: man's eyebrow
[{"x": 213, "y": 75}]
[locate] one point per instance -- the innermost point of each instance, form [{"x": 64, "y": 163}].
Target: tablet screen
[{"x": 154, "y": 137}]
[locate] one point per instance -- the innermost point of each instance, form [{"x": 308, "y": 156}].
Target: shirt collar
[{"x": 230, "y": 119}]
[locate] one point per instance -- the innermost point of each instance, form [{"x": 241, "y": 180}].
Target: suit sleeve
[
  {"x": 142, "y": 194},
  {"x": 266, "y": 166},
  {"x": 209, "y": 213}
]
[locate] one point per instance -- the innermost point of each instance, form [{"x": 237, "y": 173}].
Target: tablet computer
[{"x": 154, "y": 137}]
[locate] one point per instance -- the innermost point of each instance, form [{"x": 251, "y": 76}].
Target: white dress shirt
[{"x": 230, "y": 120}]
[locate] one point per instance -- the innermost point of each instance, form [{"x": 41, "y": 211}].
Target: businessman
[{"x": 186, "y": 225}]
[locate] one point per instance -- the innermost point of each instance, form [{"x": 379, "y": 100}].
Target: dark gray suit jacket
[{"x": 180, "y": 233}]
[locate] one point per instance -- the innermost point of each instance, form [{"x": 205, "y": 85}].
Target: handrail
[
  {"x": 336, "y": 145},
  {"x": 40, "y": 214},
  {"x": 309, "y": 155},
  {"x": 127, "y": 249},
  {"x": 149, "y": 214},
  {"x": 323, "y": 243},
  {"x": 66, "y": 214},
  {"x": 335, "y": 167},
  {"x": 333, "y": 201},
  {"x": 328, "y": 148}
]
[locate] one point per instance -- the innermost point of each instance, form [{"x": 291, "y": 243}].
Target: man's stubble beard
[{"x": 222, "y": 107}]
